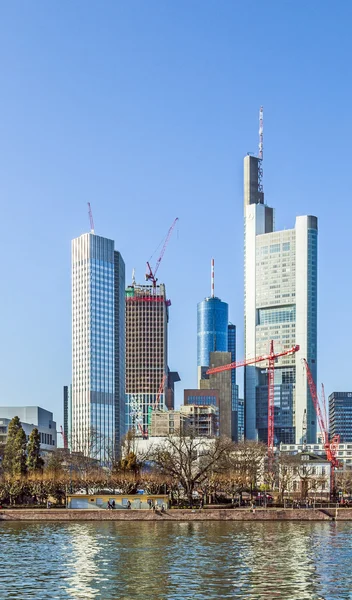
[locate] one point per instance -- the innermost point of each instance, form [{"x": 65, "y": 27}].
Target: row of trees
[
  {"x": 181, "y": 465},
  {"x": 19, "y": 456}
]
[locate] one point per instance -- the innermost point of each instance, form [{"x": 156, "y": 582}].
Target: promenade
[{"x": 260, "y": 514}]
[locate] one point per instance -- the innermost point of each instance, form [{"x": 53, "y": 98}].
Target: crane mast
[
  {"x": 151, "y": 273},
  {"x": 331, "y": 446},
  {"x": 271, "y": 358}
]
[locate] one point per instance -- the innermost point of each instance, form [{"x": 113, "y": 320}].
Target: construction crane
[
  {"x": 324, "y": 407},
  {"x": 271, "y": 358},
  {"x": 90, "y": 218},
  {"x": 151, "y": 273},
  {"x": 160, "y": 391},
  {"x": 63, "y": 437},
  {"x": 331, "y": 446}
]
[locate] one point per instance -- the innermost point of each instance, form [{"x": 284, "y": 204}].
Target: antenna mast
[
  {"x": 91, "y": 218},
  {"x": 212, "y": 279},
  {"x": 260, "y": 153}
]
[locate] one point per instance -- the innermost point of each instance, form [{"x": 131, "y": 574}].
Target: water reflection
[{"x": 174, "y": 561}]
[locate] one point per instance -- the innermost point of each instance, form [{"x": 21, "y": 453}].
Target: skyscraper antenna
[
  {"x": 91, "y": 218},
  {"x": 212, "y": 279},
  {"x": 260, "y": 153},
  {"x": 261, "y": 130}
]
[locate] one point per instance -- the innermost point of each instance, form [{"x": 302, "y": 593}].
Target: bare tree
[
  {"x": 190, "y": 460},
  {"x": 247, "y": 464}
]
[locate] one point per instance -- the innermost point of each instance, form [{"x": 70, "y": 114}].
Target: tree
[
  {"x": 34, "y": 460},
  {"x": 14, "y": 462},
  {"x": 247, "y": 464},
  {"x": 190, "y": 460}
]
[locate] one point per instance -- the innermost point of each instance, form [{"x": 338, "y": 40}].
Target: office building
[
  {"x": 172, "y": 378},
  {"x": 223, "y": 383},
  {"x": 280, "y": 305},
  {"x": 31, "y": 417},
  {"x": 340, "y": 415},
  {"x": 201, "y": 420},
  {"x": 234, "y": 387},
  {"x": 212, "y": 328},
  {"x": 146, "y": 354},
  {"x": 98, "y": 347}
]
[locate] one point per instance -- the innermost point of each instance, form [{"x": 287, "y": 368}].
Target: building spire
[
  {"x": 212, "y": 279},
  {"x": 260, "y": 153}
]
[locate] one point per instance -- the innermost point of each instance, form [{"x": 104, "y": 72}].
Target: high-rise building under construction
[
  {"x": 280, "y": 305},
  {"x": 146, "y": 353}
]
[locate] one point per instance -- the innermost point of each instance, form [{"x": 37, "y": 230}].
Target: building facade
[
  {"x": 307, "y": 477},
  {"x": 172, "y": 378},
  {"x": 67, "y": 395},
  {"x": 98, "y": 347},
  {"x": 31, "y": 417},
  {"x": 164, "y": 423},
  {"x": 203, "y": 421},
  {"x": 280, "y": 305},
  {"x": 146, "y": 354},
  {"x": 340, "y": 415},
  {"x": 234, "y": 391}
]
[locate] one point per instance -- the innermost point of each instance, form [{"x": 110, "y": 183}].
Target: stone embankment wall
[{"x": 177, "y": 515}]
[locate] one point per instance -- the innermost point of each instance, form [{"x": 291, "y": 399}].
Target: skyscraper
[
  {"x": 234, "y": 391},
  {"x": 146, "y": 353},
  {"x": 98, "y": 347},
  {"x": 212, "y": 329},
  {"x": 280, "y": 305},
  {"x": 340, "y": 416}
]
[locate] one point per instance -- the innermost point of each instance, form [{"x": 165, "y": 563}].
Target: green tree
[
  {"x": 14, "y": 462},
  {"x": 34, "y": 460}
]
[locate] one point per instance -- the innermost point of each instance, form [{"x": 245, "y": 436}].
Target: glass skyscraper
[
  {"x": 212, "y": 329},
  {"x": 280, "y": 305},
  {"x": 340, "y": 415},
  {"x": 98, "y": 347}
]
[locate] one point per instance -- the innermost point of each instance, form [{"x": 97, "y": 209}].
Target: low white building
[{"x": 31, "y": 417}]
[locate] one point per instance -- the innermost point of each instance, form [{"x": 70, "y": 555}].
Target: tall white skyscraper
[
  {"x": 98, "y": 347},
  {"x": 280, "y": 305}
]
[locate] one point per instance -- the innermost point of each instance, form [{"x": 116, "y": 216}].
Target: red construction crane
[
  {"x": 63, "y": 436},
  {"x": 331, "y": 446},
  {"x": 160, "y": 391},
  {"x": 151, "y": 273},
  {"x": 271, "y": 358},
  {"x": 324, "y": 407}
]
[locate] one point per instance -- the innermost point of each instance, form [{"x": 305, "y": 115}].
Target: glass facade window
[{"x": 268, "y": 316}]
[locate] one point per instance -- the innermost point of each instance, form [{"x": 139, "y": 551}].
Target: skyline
[{"x": 110, "y": 123}]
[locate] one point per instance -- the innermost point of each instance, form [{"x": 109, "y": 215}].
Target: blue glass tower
[{"x": 212, "y": 329}]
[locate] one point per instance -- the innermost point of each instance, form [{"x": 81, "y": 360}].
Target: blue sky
[{"x": 146, "y": 109}]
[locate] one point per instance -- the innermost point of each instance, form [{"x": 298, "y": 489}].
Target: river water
[{"x": 175, "y": 561}]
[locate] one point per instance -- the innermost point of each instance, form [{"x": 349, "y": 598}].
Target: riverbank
[{"x": 260, "y": 514}]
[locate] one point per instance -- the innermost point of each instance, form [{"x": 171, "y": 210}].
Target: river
[{"x": 175, "y": 561}]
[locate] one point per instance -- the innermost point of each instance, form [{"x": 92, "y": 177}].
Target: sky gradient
[{"x": 146, "y": 109}]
